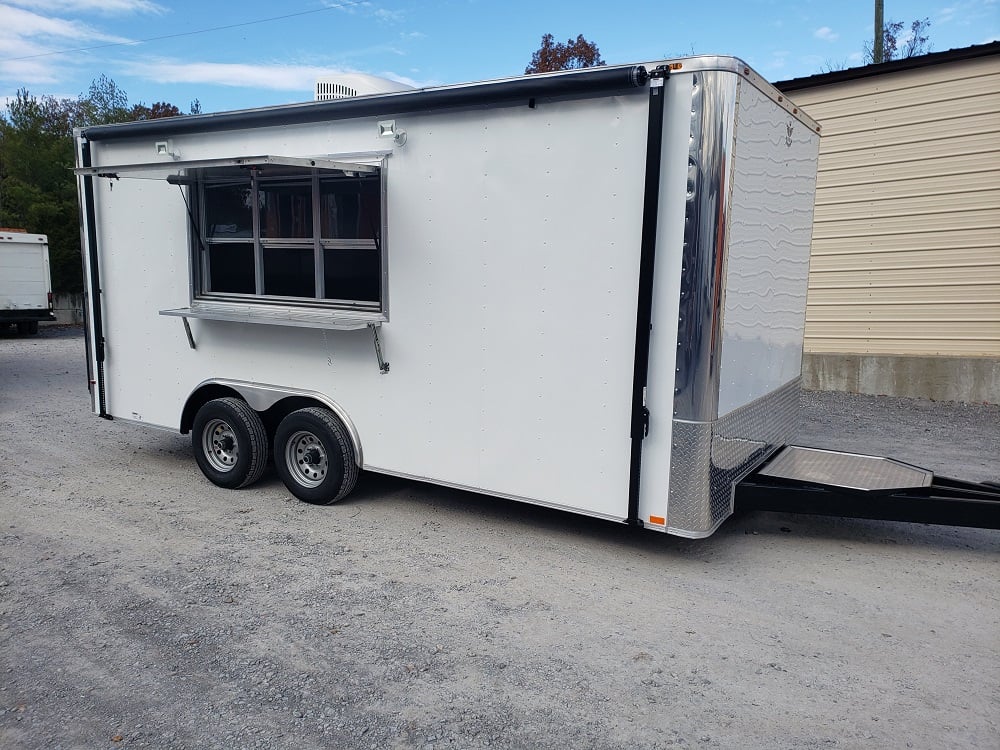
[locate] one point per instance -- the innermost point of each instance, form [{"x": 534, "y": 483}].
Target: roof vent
[{"x": 346, "y": 85}]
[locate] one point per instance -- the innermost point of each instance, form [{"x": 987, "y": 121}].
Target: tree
[
  {"x": 37, "y": 190},
  {"x": 897, "y": 45},
  {"x": 554, "y": 55},
  {"x": 37, "y": 187},
  {"x": 105, "y": 103},
  {"x": 154, "y": 111}
]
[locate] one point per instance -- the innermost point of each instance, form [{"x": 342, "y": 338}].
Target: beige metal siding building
[{"x": 904, "y": 290}]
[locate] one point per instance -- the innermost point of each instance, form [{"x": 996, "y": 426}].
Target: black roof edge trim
[
  {"x": 893, "y": 66},
  {"x": 576, "y": 83}
]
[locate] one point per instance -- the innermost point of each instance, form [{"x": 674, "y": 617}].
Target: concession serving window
[{"x": 282, "y": 240}]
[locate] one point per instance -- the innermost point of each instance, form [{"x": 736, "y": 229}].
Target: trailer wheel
[
  {"x": 230, "y": 443},
  {"x": 314, "y": 456}
]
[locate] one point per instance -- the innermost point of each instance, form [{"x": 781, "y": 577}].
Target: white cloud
[
  {"x": 29, "y": 43},
  {"x": 17, "y": 23},
  {"x": 826, "y": 34},
  {"x": 777, "y": 61},
  {"x": 416, "y": 83},
  {"x": 389, "y": 16},
  {"x": 349, "y": 7},
  {"x": 104, "y": 7},
  {"x": 967, "y": 13},
  {"x": 276, "y": 77},
  {"x": 30, "y": 72}
]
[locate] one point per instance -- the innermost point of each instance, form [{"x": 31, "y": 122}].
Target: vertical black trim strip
[
  {"x": 644, "y": 311},
  {"x": 95, "y": 283}
]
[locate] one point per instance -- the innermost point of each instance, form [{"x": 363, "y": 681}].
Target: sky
[{"x": 238, "y": 55}]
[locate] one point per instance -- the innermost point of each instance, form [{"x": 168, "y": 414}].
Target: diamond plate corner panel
[{"x": 709, "y": 458}]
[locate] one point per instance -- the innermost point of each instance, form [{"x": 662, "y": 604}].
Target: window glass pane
[
  {"x": 352, "y": 274},
  {"x": 231, "y": 268},
  {"x": 289, "y": 272},
  {"x": 350, "y": 208},
  {"x": 228, "y": 210},
  {"x": 286, "y": 209}
]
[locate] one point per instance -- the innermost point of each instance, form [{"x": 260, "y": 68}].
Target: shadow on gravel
[
  {"x": 55, "y": 331},
  {"x": 739, "y": 530}
]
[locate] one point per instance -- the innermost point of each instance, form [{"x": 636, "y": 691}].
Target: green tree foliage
[
  {"x": 37, "y": 186},
  {"x": 899, "y": 45},
  {"x": 573, "y": 54},
  {"x": 37, "y": 189}
]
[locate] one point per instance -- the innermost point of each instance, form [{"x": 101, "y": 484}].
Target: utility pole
[{"x": 878, "y": 48}]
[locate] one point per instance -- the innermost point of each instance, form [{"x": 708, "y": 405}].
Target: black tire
[
  {"x": 314, "y": 456},
  {"x": 27, "y": 327},
  {"x": 230, "y": 443}
]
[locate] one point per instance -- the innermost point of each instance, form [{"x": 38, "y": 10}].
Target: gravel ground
[{"x": 142, "y": 607}]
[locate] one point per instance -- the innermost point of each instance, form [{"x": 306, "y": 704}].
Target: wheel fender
[{"x": 261, "y": 397}]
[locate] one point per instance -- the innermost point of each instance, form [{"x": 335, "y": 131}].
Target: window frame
[{"x": 201, "y": 243}]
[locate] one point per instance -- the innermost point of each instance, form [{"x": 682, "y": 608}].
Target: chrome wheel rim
[
  {"x": 220, "y": 446},
  {"x": 306, "y": 459}
]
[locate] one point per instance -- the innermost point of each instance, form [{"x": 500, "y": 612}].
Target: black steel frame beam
[{"x": 947, "y": 502}]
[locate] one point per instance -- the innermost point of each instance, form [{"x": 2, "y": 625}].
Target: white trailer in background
[
  {"x": 25, "y": 280},
  {"x": 583, "y": 290}
]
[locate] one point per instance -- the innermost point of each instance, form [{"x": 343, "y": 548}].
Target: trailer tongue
[{"x": 848, "y": 485}]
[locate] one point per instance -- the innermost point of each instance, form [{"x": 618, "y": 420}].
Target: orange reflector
[
  {"x": 659, "y": 520},
  {"x": 676, "y": 66}
]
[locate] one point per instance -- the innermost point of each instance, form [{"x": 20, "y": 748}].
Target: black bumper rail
[{"x": 948, "y": 502}]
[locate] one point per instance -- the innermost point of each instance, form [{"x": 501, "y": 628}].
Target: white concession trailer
[{"x": 584, "y": 290}]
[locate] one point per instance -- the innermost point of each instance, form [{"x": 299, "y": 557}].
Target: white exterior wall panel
[{"x": 906, "y": 244}]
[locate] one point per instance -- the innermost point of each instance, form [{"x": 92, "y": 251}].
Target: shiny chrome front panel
[
  {"x": 714, "y": 98},
  {"x": 743, "y": 274}
]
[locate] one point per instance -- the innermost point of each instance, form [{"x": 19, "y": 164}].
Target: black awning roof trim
[{"x": 579, "y": 83}]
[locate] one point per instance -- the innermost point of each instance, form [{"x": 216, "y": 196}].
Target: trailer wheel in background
[
  {"x": 230, "y": 442},
  {"x": 27, "y": 327},
  {"x": 314, "y": 457}
]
